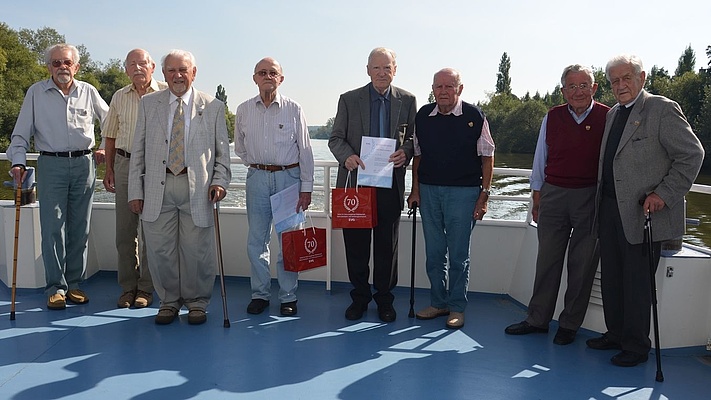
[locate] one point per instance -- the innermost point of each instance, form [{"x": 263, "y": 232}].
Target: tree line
[{"x": 514, "y": 121}]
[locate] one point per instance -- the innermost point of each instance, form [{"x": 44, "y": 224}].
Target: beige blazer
[{"x": 207, "y": 154}]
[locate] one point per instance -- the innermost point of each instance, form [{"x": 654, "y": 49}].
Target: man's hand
[
  {"x": 536, "y": 205},
  {"x": 414, "y": 197},
  {"x": 100, "y": 156},
  {"x": 18, "y": 175},
  {"x": 304, "y": 201},
  {"x": 216, "y": 193},
  {"x": 481, "y": 206},
  {"x": 136, "y": 206},
  {"x": 653, "y": 203},
  {"x": 109, "y": 183},
  {"x": 353, "y": 162},
  {"x": 398, "y": 158}
]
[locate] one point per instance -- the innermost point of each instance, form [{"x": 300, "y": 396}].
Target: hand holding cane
[
  {"x": 413, "y": 212},
  {"x": 652, "y": 270},
  {"x": 218, "y": 244}
]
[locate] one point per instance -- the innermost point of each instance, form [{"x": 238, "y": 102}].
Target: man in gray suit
[
  {"x": 649, "y": 159},
  {"x": 358, "y": 115},
  {"x": 180, "y": 167}
]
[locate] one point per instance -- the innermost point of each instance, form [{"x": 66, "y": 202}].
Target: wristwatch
[{"x": 487, "y": 191}]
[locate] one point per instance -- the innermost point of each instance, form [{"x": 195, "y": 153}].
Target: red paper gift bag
[
  {"x": 303, "y": 249},
  {"x": 354, "y": 208}
]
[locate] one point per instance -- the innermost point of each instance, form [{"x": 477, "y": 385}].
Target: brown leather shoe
[
  {"x": 143, "y": 299},
  {"x": 455, "y": 320},
  {"x": 126, "y": 299},
  {"x": 77, "y": 296},
  {"x": 431, "y": 313},
  {"x": 56, "y": 301},
  {"x": 196, "y": 316},
  {"x": 166, "y": 315}
]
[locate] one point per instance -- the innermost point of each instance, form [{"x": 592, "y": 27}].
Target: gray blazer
[
  {"x": 207, "y": 154},
  {"x": 352, "y": 122},
  {"x": 658, "y": 153}
]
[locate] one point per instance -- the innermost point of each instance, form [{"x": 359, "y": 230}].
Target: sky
[{"x": 323, "y": 45}]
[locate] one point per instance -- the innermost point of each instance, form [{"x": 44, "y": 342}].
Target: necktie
[
  {"x": 382, "y": 119},
  {"x": 176, "y": 156}
]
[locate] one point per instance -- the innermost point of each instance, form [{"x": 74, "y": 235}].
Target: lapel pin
[
  {"x": 471, "y": 124},
  {"x": 587, "y": 127},
  {"x": 636, "y": 123},
  {"x": 281, "y": 126}
]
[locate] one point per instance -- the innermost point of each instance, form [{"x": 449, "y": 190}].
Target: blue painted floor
[{"x": 96, "y": 351}]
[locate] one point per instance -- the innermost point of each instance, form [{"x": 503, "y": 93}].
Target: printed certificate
[{"x": 375, "y": 153}]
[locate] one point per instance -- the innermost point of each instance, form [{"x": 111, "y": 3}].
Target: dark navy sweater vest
[{"x": 448, "y": 145}]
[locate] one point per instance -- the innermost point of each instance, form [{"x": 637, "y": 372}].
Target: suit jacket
[
  {"x": 207, "y": 154},
  {"x": 658, "y": 152},
  {"x": 352, "y": 122}
]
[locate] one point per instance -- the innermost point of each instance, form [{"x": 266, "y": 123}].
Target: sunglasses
[{"x": 58, "y": 63}]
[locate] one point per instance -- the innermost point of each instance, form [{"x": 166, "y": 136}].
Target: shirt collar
[
  {"x": 152, "y": 87},
  {"x": 456, "y": 111},
  {"x": 277, "y": 100},
  {"x": 631, "y": 103},
  {"x": 582, "y": 116},
  {"x": 374, "y": 95},
  {"x": 187, "y": 96}
]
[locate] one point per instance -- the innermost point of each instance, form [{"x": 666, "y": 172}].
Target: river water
[{"x": 698, "y": 205}]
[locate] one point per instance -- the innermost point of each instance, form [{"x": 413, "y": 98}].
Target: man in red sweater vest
[{"x": 563, "y": 182}]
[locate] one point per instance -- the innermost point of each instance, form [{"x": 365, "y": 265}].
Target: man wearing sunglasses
[{"x": 60, "y": 113}]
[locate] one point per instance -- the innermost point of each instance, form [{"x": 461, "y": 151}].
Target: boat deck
[{"x": 96, "y": 351}]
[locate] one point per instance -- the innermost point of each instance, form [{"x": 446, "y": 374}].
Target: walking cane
[
  {"x": 18, "y": 201},
  {"x": 652, "y": 269},
  {"x": 218, "y": 244},
  {"x": 413, "y": 212}
]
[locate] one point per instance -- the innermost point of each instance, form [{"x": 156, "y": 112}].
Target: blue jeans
[
  {"x": 65, "y": 192},
  {"x": 447, "y": 224},
  {"x": 260, "y": 185}
]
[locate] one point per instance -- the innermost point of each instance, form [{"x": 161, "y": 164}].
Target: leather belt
[
  {"x": 184, "y": 171},
  {"x": 274, "y": 168},
  {"x": 123, "y": 152},
  {"x": 66, "y": 154}
]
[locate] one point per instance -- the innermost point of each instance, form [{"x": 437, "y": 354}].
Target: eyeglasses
[
  {"x": 583, "y": 87},
  {"x": 271, "y": 74},
  {"x": 58, "y": 63}
]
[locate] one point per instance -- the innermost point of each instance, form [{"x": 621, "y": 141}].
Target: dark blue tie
[{"x": 382, "y": 119}]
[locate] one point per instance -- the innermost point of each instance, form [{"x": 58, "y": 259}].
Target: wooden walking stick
[
  {"x": 413, "y": 212},
  {"x": 18, "y": 201}
]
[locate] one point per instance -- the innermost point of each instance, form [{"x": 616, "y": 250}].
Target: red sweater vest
[{"x": 574, "y": 149}]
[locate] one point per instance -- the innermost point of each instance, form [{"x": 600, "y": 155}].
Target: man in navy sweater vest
[
  {"x": 452, "y": 171},
  {"x": 563, "y": 182}
]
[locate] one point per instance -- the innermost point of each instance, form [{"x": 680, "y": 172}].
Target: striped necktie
[{"x": 176, "y": 156}]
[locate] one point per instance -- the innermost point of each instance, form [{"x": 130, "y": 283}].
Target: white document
[
  {"x": 375, "y": 153},
  {"x": 284, "y": 208}
]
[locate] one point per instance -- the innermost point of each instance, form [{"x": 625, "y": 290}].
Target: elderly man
[
  {"x": 60, "y": 113},
  {"x": 451, "y": 181},
  {"x": 359, "y": 114},
  {"x": 272, "y": 138},
  {"x": 134, "y": 276},
  {"x": 648, "y": 161},
  {"x": 180, "y": 167},
  {"x": 563, "y": 182}
]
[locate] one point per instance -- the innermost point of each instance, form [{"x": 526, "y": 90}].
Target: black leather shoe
[
  {"x": 564, "y": 336},
  {"x": 355, "y": 311},
  {"x": 524, "y": 328},
  {"x": 628, "y": 359},
  {"x": 288, "y": 309},
  {"x": 257, "y": 306},
  {"x": 386, "y": 313},
  {"x": 602, "y": 343}
]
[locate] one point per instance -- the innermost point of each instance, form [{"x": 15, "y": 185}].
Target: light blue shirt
[
  {"x": 57, "y": 122},
  {"x": 540, "y": 158}
]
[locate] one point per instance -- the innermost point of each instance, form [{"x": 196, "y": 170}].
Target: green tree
[
  {"x": 37, "y": 41},
  {"x": 503, "y": 80},
  {"x": 431, "y": 98},
  {"x": 687, "y": 62},
  {"x": 688, "y": 91},
  {"x": 658, "y": 81},
  {"x": 520, "y": 127},
  {"x": 110, "y": 78},
  {"x": 221, "y": 94},
  {"x": 604, "y": 89},
  {"x": 708, "y": 54}
]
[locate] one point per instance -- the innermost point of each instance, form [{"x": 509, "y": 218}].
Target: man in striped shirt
[
  {"x": 272, "y": 138},
  {"x": 133, "y": 275}
]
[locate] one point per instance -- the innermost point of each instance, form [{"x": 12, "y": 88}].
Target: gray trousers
[
  {"x": 182, "y": 256},
  {"x": 564, "y": 222}
]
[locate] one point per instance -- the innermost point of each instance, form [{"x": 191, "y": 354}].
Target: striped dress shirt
[
  {"x": 277, "y": 135},
  {"x": 120, "y": 122}
]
